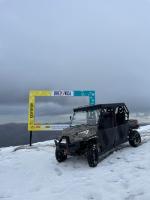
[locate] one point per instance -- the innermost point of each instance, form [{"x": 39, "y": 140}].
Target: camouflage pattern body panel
[{"x": 79, "y": 132}]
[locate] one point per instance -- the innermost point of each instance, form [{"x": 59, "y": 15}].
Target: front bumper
[{"x": 71, "y": 148}]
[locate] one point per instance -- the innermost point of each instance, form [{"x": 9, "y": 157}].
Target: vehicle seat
[
  {"x": 120, "y": 116},
  {"x": 106, "y": 120}
]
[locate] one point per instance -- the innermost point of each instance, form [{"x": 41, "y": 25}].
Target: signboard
[{"x": 32, "y": 126}]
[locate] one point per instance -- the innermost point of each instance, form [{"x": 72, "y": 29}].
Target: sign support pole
[{"x": 30, "y": 138}]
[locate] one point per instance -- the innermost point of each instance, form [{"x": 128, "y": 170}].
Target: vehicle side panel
[{"x": 112, "y": 137}]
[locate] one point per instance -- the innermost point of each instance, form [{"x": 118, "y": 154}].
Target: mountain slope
[
  {"x": 17, "y": 134},
  {"x": 33, "y": 174}
]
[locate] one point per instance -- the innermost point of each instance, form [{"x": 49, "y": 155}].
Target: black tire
[
  {"x": 92, "y": 156},
  {"x": 60, "y": 156},
  {"x": 134, "y": 138}
]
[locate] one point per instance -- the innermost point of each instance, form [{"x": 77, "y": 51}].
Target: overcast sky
[{"x": 100, "y": 45}]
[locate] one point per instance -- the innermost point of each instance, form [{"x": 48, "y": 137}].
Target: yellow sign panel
[{"x": 31, "y": 114}]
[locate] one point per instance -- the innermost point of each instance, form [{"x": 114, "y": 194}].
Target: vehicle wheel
[
  {"x": 60, "y": 156},
  {"x": 134, "y": 138},
  {"x": 92, "y": 156}
]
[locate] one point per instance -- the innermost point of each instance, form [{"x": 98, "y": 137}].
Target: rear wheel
[
  {"x": 134, "y": 138},
  {"x": 60, "y": 155},
  {"x": 92, "y": 156}
]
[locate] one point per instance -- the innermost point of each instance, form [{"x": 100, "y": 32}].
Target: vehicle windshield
[{"x": 86, "y": 118}]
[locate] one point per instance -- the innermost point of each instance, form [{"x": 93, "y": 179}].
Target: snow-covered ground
[{"x": 33, "y": 174}]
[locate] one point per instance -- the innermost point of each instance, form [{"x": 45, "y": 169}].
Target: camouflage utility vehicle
[{"x": 96, "y": 130}]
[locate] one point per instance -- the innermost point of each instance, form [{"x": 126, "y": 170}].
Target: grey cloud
[
  {"x": 98, "y": 45},
  {"x": 59, "y": 106}
]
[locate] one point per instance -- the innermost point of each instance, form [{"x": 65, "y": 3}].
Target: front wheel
[
  {"x": 92, "y": 156},
  {"x": 134, "y": 138},
  {"x": 60, "y": 155}
]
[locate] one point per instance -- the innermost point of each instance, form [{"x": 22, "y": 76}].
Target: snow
[{"x": 34, "y": 174}]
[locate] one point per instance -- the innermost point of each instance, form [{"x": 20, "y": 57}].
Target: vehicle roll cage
[{"x": 103, "y": 108}]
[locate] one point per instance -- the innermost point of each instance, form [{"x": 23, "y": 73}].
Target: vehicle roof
[{"x": 98, "y": 106}]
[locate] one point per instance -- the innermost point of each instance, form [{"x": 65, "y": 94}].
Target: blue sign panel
[{"x": 88, "y": 93}]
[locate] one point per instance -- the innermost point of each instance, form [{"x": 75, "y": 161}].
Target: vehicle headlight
[{"x": 83, "y": 133}]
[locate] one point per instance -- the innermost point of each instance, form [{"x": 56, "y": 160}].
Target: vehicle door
[{"x": 106, "y": 131}]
